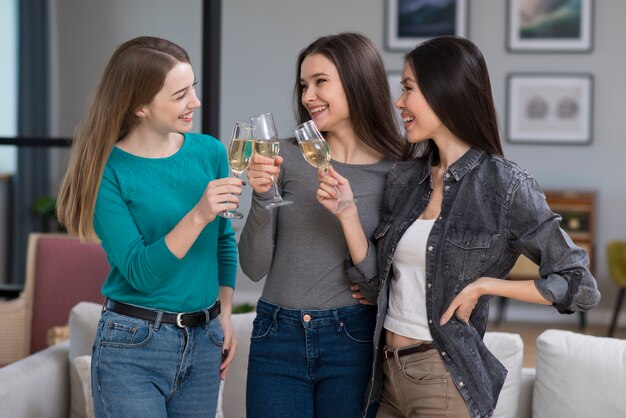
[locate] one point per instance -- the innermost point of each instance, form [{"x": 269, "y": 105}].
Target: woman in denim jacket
[{"x": 457, "y": 215}]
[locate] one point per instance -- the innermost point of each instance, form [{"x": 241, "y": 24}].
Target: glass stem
[
  {"x": 335, "y": 189},
  {"x": 275, "y": 185}
]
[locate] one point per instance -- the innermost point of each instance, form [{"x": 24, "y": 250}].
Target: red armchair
[{"x": 60, "y": 272}]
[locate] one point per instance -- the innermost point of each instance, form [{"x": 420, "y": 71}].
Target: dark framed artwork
[
  {"x": 409, "y": 22},
  {"x": 550, "y": 25},
  {"x": 551, "y": 108}
]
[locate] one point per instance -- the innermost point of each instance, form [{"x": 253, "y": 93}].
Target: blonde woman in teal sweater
[{"x": 149, "y": 190}]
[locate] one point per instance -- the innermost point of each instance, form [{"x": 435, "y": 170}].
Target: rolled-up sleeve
[{"x": 535, "y": 232}]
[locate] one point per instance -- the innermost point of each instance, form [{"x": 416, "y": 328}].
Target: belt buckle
[{"x": 179, "y": 320}]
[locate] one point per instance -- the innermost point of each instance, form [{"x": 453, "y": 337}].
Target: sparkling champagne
[
  {"x": 267, "y": 149},
  {"x": 239, "y": 154},
  {"x": 316, "y": 152}
]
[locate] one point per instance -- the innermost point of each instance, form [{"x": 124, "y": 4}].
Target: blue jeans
[
  {"x": 153, "y": 370},
  {"x": 309, "y": 363}
]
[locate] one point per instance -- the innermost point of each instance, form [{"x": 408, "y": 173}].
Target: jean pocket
[
  {"x": 360, "y": 331},
  {"x": 216, "y": 334},
  {"x": 117, "y": 331},
  {"x": 262, "y": 327}
]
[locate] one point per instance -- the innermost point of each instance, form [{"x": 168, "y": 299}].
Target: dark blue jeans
[
  {"x": 309, "y": 363},
  {"x": 154, "y": 370}
]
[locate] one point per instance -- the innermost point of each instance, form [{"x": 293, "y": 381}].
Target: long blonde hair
[{"x": 134, "y": 75}]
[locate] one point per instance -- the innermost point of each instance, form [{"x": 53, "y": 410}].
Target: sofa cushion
[
  {"x": 234, "y": 388},
  {"x": 36, "y": 386},
  {"x": 83, "y": 368},
  {"x": 83, "y": 323},
  {"x": 509, "y": 350},
  {"x": 579, "y": 376}
]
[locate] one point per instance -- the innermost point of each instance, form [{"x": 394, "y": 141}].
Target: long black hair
[{"x": 452, "y": 75}]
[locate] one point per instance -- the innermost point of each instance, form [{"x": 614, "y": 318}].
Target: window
[{"x": 8, "y": 82}]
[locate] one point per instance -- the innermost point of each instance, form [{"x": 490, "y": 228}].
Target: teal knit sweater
[{"x": 140, "y": 200}]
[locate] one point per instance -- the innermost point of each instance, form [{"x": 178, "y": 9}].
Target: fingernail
[{"x": 225, "y": 352}]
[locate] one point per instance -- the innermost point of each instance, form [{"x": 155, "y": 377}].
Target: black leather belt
[
  {"x": 409, "y": 350},
  {"x": 183, "y": 319}
]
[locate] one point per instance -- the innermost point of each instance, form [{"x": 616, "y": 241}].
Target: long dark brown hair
[
  {"x": 134, "y": 75},
  {"x": 364, "y": 82},
  {"x": 452, "y": 75}
]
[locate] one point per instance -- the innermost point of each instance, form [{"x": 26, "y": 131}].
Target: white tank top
[{"x": 406, "y": 314}]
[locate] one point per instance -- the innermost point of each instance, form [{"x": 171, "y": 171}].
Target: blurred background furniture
[
  {"x": 616, "y": 255},
  {"x": 577, "y": 211},
  {"x": 576, "y": 376},
  {"x": 60, "y": 272}
]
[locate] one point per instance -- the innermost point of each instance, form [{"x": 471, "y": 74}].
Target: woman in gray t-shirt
[{"x": 311, "y": 349}]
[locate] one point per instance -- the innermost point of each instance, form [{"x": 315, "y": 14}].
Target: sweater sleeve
[
  {"x": 366, "y": 270},
  {"x": 365, "y": 274},
  {"x": 256, "y": 245},
  {"x": 143, "y": 265},
  {"x": 226, "y": 243}
]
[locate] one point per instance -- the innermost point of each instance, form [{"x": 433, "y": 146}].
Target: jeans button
[{"x": 306, "y": 318}]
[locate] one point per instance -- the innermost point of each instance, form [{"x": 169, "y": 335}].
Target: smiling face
[
  {"x": 171, "y": 109},
  {"x": 420, "y": 122},
  {"x": 323, "y": 95}
]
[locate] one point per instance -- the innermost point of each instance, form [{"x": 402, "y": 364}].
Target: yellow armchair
[{"x": 616, "y": 254}]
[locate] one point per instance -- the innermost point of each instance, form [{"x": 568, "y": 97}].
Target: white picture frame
[{"x": 552, "y": 108}]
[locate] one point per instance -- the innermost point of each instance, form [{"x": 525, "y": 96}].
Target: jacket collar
[
  {"x": 468, "y": 161},
  {"x": 458, "y": 169}
]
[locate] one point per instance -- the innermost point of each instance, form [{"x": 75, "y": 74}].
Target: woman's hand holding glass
[
  {"x": 220, "y": 195},
  {"x": 239, "y": 153},
  {"x": 261, "y": 170},
  {"x": 266, "y": 144},
  {"x": 334, "y": 192}
]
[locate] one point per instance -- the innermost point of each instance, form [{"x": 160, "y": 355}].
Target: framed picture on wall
[
  {"x": 549, "y": 25},
  {"x": 549, "y": 108},
  {"x": 409, "y": 22}
]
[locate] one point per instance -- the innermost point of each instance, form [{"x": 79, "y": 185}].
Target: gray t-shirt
[{"x": 301, "y": 247}]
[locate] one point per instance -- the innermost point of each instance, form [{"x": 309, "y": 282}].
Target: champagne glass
[
  {"x": 266, "y": 144},
  {"x": 316, "y": 152},
  {"x": 239, "y": 154}
]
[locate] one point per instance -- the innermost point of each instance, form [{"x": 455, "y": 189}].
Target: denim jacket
[{"x": 492, "y": 211}]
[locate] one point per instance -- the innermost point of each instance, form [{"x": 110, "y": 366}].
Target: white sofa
[{"x": 576, "y": 375}]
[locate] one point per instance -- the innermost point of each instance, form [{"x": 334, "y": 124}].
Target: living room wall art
[
  {"x": 550, "y": 25},
  {"x": 549, "y": 108},
  {"x": 409, "y": 22}
]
